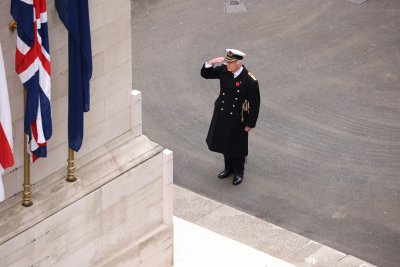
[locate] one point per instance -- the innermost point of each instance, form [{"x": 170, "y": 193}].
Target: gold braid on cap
[{"x": 231, "y": 56}]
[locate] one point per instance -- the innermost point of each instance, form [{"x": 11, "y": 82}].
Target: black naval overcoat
[{"x": 226, "y": 134}]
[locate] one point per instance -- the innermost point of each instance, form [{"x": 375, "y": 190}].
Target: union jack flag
[{"x": 32, "y": 64}]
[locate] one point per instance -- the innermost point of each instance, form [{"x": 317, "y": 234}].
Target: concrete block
[
  {"x": 59, "y": 86},
  {"x": 168, "y": 167},
  {"x": 17, "y": 107},
  {"x": 192, "y": 207},
  {"x": 113, "y": 234},
  {"x": 59, "y": 109},
  {"x": 98, "y": 65},
  {"x": 113, "y": 36},
  {"x": 60, "y": 133},
  {"x": 296, "y": 252},
  {"x": 118, "y": 190},
  {"x": 59, "y": 59},
  {"x": 111, "y": 84},
  {"x": 118, "y": 54},
  {"x": 98, "y": 40},
  {"x": 107, "y": 36},
  {"x": 96, "y": 115},
  {"x": 324, "y": 256},
  {"x": 10, "y": 85},
  {"x": 7, "y": 36},
  {"x": 95, "y": 3},
  {"x": 5, "y": 18},
  {"x": 106, "y": 215},
  {"x": 18, "y": 135},
  {"x": 136, "y": 112},
  {"x": 167, "y": 186},
  {"x": 52, "y": 16},
  {"x": 116, "y": 9},
  {"x": 353, "y": 261},
  {"x": 58, "y": 38},
  {"x": 103, "y": 166},
  {"x": 51, "y": 238},
  {"x": 257, "y": 233},
  {"x": 125, "y": 157},
  {"x": 105, "y": 131},
  {"x": 116, "y": 102},
  {"x": 42, "y": 167},
  {"x": 155, "y": 245},
  {"x": 96, "y": 16},
  {"x": 18, "y": 86},
  {"x": 9, "y": 56},
  {"x": 12, "y": 181},
  {"x": 120, "y": 77}
]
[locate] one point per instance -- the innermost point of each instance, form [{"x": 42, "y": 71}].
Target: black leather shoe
[
  {"x": 237, "y": 179},
  {"x": 224, "y": 174}
]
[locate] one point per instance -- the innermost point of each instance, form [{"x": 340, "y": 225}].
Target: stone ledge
[
  {"x": 157, "y": 242},
  {"x": 54, "y": 193},
  {"x": 257, "y": 233}
]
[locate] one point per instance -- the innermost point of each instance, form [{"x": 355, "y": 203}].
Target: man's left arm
[{"x": 254, "y": 104}]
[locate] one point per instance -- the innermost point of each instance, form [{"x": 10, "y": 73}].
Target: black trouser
[{"x": 235, "y": 165}]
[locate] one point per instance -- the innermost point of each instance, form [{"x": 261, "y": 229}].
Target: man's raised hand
[{"x": 216, "y": 60}]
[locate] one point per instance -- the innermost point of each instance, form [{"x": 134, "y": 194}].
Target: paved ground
[
  {"x": 325, "y": 156},
  {"x": 209, "y": 233},
  {"x": 197, "y": 246}
]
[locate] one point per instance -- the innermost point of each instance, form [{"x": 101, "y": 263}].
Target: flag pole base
[
  {"x": 27, "y": 192},
  {"x": 27, "y": 196},
  {"x": 71, "y": 166}
]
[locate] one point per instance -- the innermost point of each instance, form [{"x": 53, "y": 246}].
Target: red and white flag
[{"x": 6, "y": 142}]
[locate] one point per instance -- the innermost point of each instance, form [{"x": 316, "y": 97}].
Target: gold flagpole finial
[{"x": 12, "y": 25}]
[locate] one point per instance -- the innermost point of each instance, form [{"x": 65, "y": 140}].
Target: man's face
[{"x": 233, "y": 66}]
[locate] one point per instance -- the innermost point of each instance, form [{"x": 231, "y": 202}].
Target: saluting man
[{"x": 235, "y": 112}]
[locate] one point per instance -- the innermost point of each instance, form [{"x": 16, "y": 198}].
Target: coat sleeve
[
  {"x": 254, "y": 103},
  {"x": 211, "y": 73}
]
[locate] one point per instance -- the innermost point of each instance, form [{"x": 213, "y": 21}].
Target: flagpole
[
  {"x": 71, "y": 166},
  {"x": 27, "y": 194}
]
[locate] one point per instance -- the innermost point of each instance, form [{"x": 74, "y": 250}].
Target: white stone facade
[
  {"x": 111, "y": 85},
  {"x": 112, "y": 216},
  {"x": 119, "y": 211}
]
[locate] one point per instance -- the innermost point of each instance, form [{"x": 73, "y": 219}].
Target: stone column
[
  {"x": 136, "y": 109},
  {"x": 167, "y": 186}
]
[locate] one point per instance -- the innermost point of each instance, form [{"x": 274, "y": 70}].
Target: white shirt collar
[{"x": 235, "y": 74}]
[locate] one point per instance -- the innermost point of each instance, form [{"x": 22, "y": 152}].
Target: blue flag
[{"x": 74, "y": 14}]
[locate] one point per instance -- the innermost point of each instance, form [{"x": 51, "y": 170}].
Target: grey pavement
[
  {"x": 325, "y": 156},
  {"x": 236, "y": 233}
]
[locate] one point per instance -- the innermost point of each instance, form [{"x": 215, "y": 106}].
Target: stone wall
[
  {"x": 114, "y": 215},
  {"x": 110, "y": 86},
  {"x": 119, "y": 211}
]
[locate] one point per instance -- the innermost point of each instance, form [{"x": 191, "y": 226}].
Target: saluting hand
[
  {"x": 248, "y": 129},
  {"x": 216, "y": 60}
]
